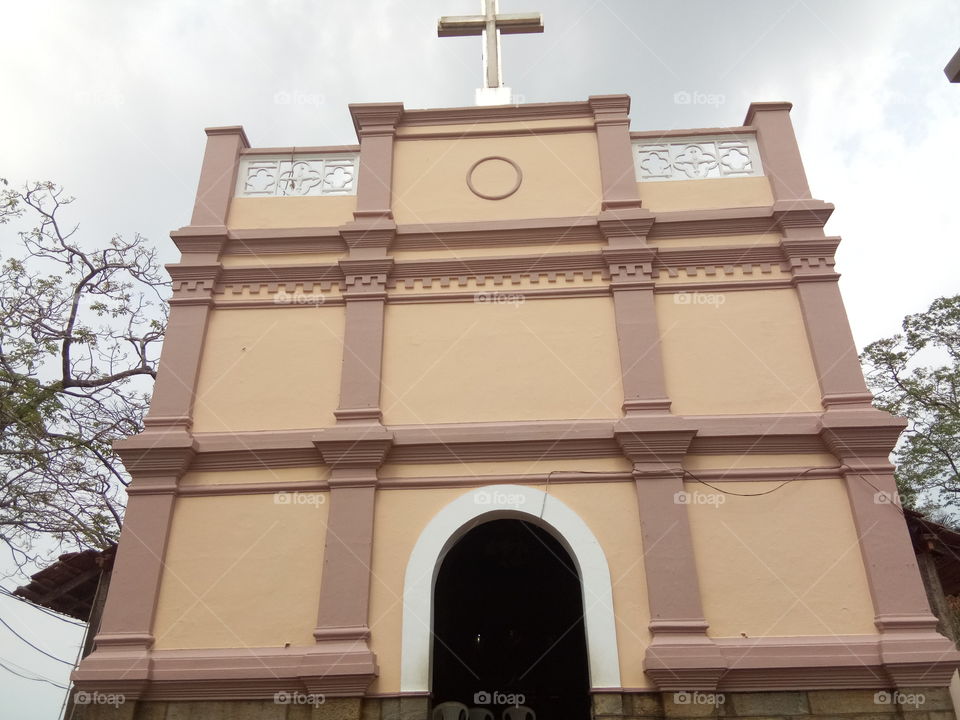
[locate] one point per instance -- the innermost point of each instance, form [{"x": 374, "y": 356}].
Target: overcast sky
[{"x": 110, "y": 99}]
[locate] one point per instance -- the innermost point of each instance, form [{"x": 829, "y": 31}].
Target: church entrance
[{"x": 508, "y": 624}]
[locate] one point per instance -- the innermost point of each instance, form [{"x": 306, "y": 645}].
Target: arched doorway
[{"x": 508, "y": 623}]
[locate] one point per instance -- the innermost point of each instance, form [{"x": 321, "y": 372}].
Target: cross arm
[
  {"x": 461, "y": 25},
  {"x": 516, "y": 24}
]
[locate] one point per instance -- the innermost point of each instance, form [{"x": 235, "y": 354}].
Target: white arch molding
[{"x": 491, "y": 503}]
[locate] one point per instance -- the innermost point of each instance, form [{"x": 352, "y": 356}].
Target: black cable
[
  {"x": 35, "y": 679},
  {"x": 39, "y": 650},
  {"x": 689, "y": 474},
  {"x": 7, "y": 593}
]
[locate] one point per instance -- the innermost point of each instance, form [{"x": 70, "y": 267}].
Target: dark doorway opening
[{"x": 508, "y": 622}]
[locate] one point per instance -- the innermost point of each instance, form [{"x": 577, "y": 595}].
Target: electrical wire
[
  {"x": 6, "y": 593},
  {"x": 38, "y": 678},
  {"x": 39, "y": 650},
  {"x": 687, "y": 473}
]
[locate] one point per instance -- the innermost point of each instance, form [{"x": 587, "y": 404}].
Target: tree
[
  {"x": 80, "y": 329},
  {"x": 916, "y": 374}
]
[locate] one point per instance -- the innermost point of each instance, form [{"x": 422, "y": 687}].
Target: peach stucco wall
[
  {"x": 782, "y": 564},
  {"x": 561, "y": 178},
  {"x": 736, "y": 352},
  {"x": 235, "y": 558},
  {"x": 708, "y": 194},
  {"x": 530, "y": 360},
  {"x": 270, "y": 369},
  {"x": 290, "y": 212},
  {"x": 242, "y": 571}
]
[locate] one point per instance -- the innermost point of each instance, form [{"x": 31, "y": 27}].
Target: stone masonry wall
[{"x": 904, "y": 704}]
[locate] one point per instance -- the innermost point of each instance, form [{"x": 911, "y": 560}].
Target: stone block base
[
  {"x": 928, "y": 703},
  {"x": 904, "y": 704}
]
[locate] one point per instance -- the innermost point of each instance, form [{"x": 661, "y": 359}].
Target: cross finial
[{"x": 490, "y": 25}]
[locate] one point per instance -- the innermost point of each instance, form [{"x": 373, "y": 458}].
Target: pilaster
[
  {"x": 342, "y": 633},
  {"x": 681, "y": 656},
  {"x": 120, "y": 661},
  {"x": 912, "y": 652}
]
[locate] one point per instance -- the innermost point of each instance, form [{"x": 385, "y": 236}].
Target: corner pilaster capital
[
  {"x": 610, "y": 109},
  {"x": 229, "y": 130},
  {"x": 200, "y": 244},
  {"x": 801, "y": 215},
  {"x": 858, "y": 435},
  {"x": 370, "y": 119},
  {"x": 193, "y": 284},
  {"x": 811, "y": 258},
  {"x": 156, "y": 459}
]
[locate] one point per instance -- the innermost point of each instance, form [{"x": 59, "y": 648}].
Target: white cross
[{"x": 490, "y": 25}]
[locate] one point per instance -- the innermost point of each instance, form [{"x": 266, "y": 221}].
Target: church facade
[{"x": 511, "y": 406}]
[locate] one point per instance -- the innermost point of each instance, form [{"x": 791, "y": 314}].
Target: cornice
[
  {"x": 497, "y": 233},
  {"x": 630, "y": 224},
  {"x": 622, "y": 263},
  {"x": 306, "y": 150},
  {"x": 496, "y": 113},
  {"x": 691, "y": 132},
  {"x": 486, "y": 442},
  {"x": 285, "y": 241}
]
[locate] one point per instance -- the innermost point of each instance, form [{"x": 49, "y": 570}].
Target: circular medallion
[{"x": 494, "y": 178}]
